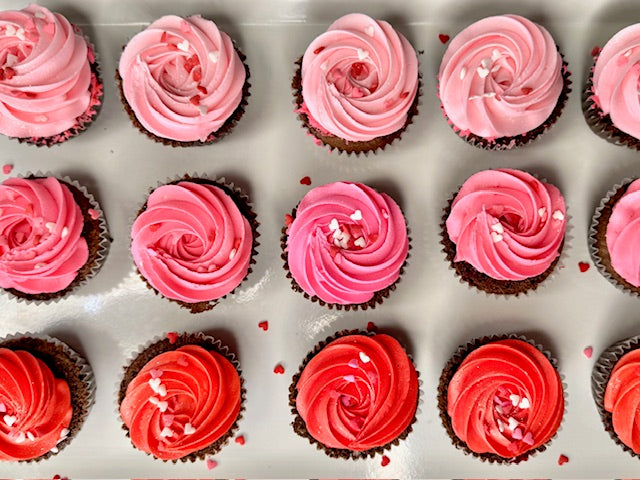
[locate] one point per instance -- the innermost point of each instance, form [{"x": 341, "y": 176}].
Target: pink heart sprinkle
[
  {"x": 517, "y": 434},
  {"x": 155, "y": 373},
  {"x": 211, "y": 464},
  {"x": 353, "y": 363},
  {"x": 3, "y": 408},
  {"x": 528, "y": 438},
  {"x": 167, "y": 419},
  {"x": 93, "y": 214},
  {"x": 588, "y": 352},
  {"x": 7, "y": 168},
  {"x": 349, "y": 379},
  {"x": 182, "y": 361}
]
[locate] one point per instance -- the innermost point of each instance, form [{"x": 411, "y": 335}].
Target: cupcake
[
  {"x": 345, "y": 246},
  {"x": 503, "y": 231},
  {"x": 501, "y": 399},
  {"x": 46, "y": 391},
  {"x": 608, "y": 99},
  {"x": 502, "y": 82},
  {"x": 50, "y": 89},
  {"x": 183, "y": 82},
  {"x": 356, "y": 395},
  {"x": 53, "y": 237},
  {"x": 181, "y": 398},
  {"x": 194, "y": 241},
  {"x": 356, "y": 88}
]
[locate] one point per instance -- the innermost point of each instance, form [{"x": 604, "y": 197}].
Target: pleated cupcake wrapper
[
  {"x": 103, "y": 246},
  {"x": 163, "y": 343},
  {"x": 443, "y": 387},
  {"x": 84, "y": 377},
  {"x": 238, "y": 196},
  {"x": 299, "y": 426}
]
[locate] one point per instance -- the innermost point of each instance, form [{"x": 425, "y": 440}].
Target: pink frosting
[
  {"x": 500, "y": 77},
  {"x": 623, "y": 235},
  {"x": 41, "y": 247},
  {"x": 45, "y": 76},
  {"x": 507, "y": 224},
  {"x": 192, "y": 243},
  {"x": 347, "y": 242},
  {"x": 182, "y": 77},
  {"x": 359, "y": 79},
  {"x": 615, "y": 80}
]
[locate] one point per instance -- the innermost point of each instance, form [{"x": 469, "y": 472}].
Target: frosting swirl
[
  {"x": 623, "y": 235},
  {"x": 347, "y": 242},
  {"x": 181, "y": 401},
  {"x": 358, "y": 392},
  {"x": 505, "y": 398},
  {"x": 35, "y": 407},
  {"x": 41, "y": 243},
  {"x": 622, "y": 400},
  {"x": 507, "y": 224},
  {"x": 182, "y": 77},
  {"x": 500, "y": 77},
  {"x": 192, "y": 243},
  {"x": 359, "y": 79}
]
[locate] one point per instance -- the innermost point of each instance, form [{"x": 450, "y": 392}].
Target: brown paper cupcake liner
[
  {"x": 66, "y": 364},
  {"x": 299, "y": 425},
  {"x": 443, "y": 388},
  {"x": 246, "y": 209},
  {"x": 163, "y": 344}
]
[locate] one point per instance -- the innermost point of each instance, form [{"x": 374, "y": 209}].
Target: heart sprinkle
[
  {"x": 9, "y": 420},
  {"x": 371, "y": 327},
  {"x": 353, "y": 363},
  {"x": 93, "y": 214},
  {"x": 355, "y": 216},
  {"x": 305, "y": 181},
  {"x": 588, "y": 352},
  {"x": 240, "y": 440},
  {"x": 562, "y": 459},
  {"x": 211, "y": 464},
  {"x": 369, "y": 30},
  {"x": 279, "y": 369},
  {"x": 583, "y": 266},
  {"x": 364, "y": 357},
  {"x": 188, "y": 429},
  {"x": 213, "y": 56},
  {"x": 362, "y": 54},
  {"x": 385, "y": 461},
  {"x": 155, "y": 373},
  {"x": 443, "y": 38},
  {"x": 264, "y": 325},
  {"x": 172, "y": 336},
  {"x": 595, "y": 51},
  {"x": 7, "y": 168}
]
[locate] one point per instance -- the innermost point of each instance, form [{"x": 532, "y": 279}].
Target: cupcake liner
[
  {"x": 443, "y": 387},
  {"x": 160, "y": 344},
  {"x": 66, "y": 364},
  {"x": 95, "y": 232},
  {"x": 333, "y": 142},
  {"x": 246, "y": 209},
  {"x": 300, "y": 428}
]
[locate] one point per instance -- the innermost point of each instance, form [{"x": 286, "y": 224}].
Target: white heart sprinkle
[
  {"x": 40, "y": 14},
  {"x": 54, "y": 450},
  {"x": 483, "y": 72},
  {"x": 20, "y": 35},
  {"x": 162, "y": 390},
  {"x": 9, "y": 420},
  {"x": 360, "y": 242},
  {"x": 497, "y": 227},
  {"x": 542, "y": 212},
  {"x": 203, "y": 110},
  {"x": 65, "y": 232},
  {"x": 232, "y": 254},
  {"x": 10, "y": 31},
  {"x": 500, "y": 426},
  {"x": 323, "y": 66},
  {"x": 513, "y": 423},
  {"x": 39, "y": 265},
  {"x": 486, "y": 62},
  {"x": 184, "y": 46},
  {"x": 369, "y": 30},
  {"x": 357, "y": 215},
  {"x": 30, "y": 436},
  {"x": 50, "y": 226},
  {"x": 154, "y": 383},
  {"x": 11, "y": 60},
  {"x": 385, "y": 214},
  {"x": 524, "y": 403},
  {"x": 628, "y": 52},
  {"x": 19, "y": 437},
  {"x": 334, "y": 225},
  {"x": 162, "y": 406},
  {"x": 213, "y": 56},
  {"x": 64, "y": 432},
  {"x": 496, "y": 237},
  {"x": 515, "y": 399},
  {"x": 463, "y": 73},
  {"x": 495, "y": 54},
  {"x": 364, "y": 357},
  {"x": 362, "y": 54},
  {"x": 188, "y": 429},
  {"x": 166, "y": 432},
  {"x": 558, "y": 215}
]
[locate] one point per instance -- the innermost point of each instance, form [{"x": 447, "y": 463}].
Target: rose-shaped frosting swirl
[
  {"x": 507, "y": 224},
  {"x": 182, "y": 77},
  {"x": 41, "y": 247},
  {"x": 615, "y": 80},
  {"x": 505, "y": 398},
  {"x": 359, "y": 79},
  {"x": 622, "y": 399},
  {"x": 35, "y": 407},
  {"x": 45, "y": 76},
  {"x": 347, "y": 242},
  {"x": 623, "y": 235},
  {"x": 500, "y": 77},
  {"x": 192, "y": 243},
  {"x": 358, "y": 392},
  {"x": 181, "y": 401}
]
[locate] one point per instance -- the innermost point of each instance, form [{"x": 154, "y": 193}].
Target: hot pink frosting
[
  {"x": 507, "y": 224},
  {"x": 41, "y": 247},
  {"x": 615, "y": 80},
  {"x": 182, "y": 77},
  {"x": 45, "y": 76},
  {"x": 359, "y": 79},
  {"x": 623, "y": 235},
  {"x": 500, "y": 77},
  {"x": 347, "y": 242},
  {"x": 192, "y": 243}
]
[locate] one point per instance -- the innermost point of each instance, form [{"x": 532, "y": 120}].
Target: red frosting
[
  {"x": 622, "y": 399},
  {"x": 358, "y": 392},
  {"x": 35, "y": 407},
  {"x": 181, "y": 401},
  {"x": 505, "y": 398}
]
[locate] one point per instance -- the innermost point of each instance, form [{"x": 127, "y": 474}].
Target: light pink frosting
[
  {"x": 359, "y": 79},
  {"x": 41, "y": 247},
  {"x": 500, "y": 77},
  {"x": 615, "y": 80},
  {"x": 347, "y": 242},
  {"x": 182, "y": 77},
  {"x": 192, "y": 243},
  {"x": 623, "y": 235},
  {"x": 507, "y": 224}
]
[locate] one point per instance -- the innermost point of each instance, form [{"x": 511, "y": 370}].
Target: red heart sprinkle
[
  {"x": 404, "y": 95},
  {"x": 7, "y": 168},
  {"x": 385, "y": 461},
  {"x": 202, "y": 90},
  {"x": 197, "y": 75},
  {"x": 595, "y": 51},
  {"x": 195, "y": 100},
  {"x": 240, "y": 440},
  {"x": 562, "y": 459},
  {"x": 211, "y": 464},
  {"x": 172, "y": 336},
  {"x": 588, "y": 352},
  {"x": 163, "y": 37},
  {"x": 371, "y": 327},
  {"x": 583, "y": 266},
  {"x": 443, "y": 38},
  {"x": 56, "y": 477},
  {"x": 526, "y": 90},
  {"x": 154, "y": 227},
  {"x": 264, "y": 325},
  {"x": 318, "y": 50},
  {"x": 305, "y": 181},
  {"x": 279, "y": 369},
  {"x": 288, "y": 220},
  {"x": 9, "y": 72},
  {"x": 93, "y": 214}
]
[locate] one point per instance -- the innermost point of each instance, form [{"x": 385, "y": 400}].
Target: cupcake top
[
  {"x": 358, "y": 392},
  {"x": 181, "y": 401},
  {"x": 346, "y": 243},
  {"x": 191, "y": 242},
  {"x": 182, "y": 77},
  {"x": 500, "y": 77},
  {"x": 507, "y": 224},
  {"x": 505, "y": 399},
  {"x": 359, "y": 79}
]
